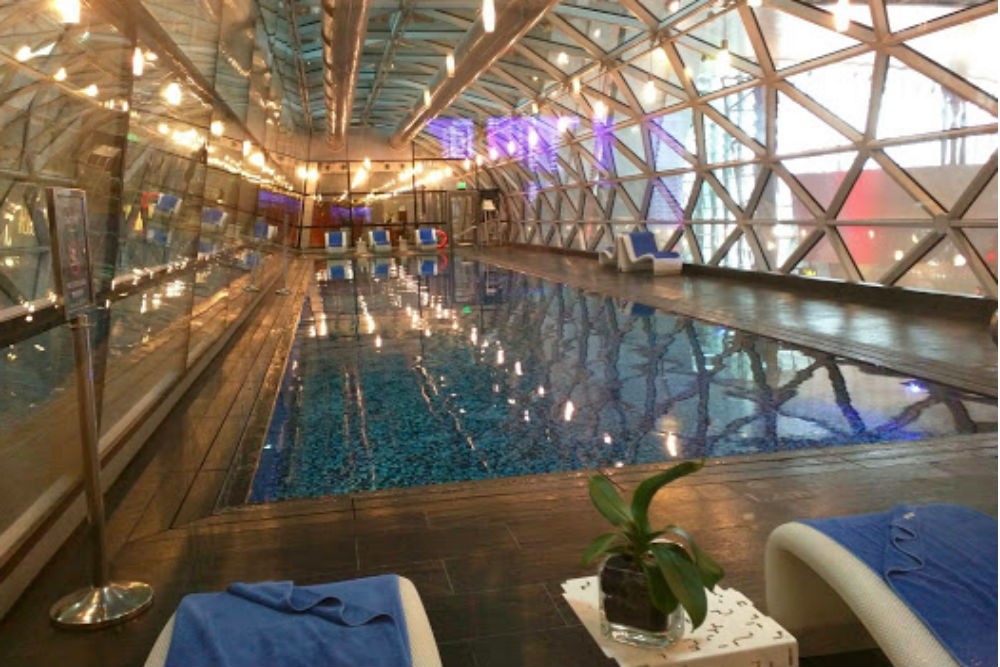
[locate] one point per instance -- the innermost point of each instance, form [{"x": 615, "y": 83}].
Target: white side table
[{"x": 734, "y": 634}]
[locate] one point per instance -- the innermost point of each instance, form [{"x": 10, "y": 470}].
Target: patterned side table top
[{"x": 734, "y": 634}]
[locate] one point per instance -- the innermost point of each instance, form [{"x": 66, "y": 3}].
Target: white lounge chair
[
  {"x": 832, "y": 601},
  {"x": 638, "y": 251},
  {"x": 378, "y": 241},
  {"x": 337, "y": 242},
  {"x": 425, "y": 239},
  {"x": 420, "y": 636}
]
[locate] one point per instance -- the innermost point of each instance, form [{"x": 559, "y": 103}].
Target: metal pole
[
  {"x": 104, "y": 602},
  {"x": 283, "y": 290}
]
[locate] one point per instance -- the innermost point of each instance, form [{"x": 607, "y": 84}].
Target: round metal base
[
  {"x": 251, "y": 288},
  {"x": 284, "y": 291},
  {"x": 92, "y": 608}
]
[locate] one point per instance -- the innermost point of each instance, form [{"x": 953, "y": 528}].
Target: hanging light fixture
[
  {"x": 600, "y": 110},
  {"x": 69, "y": 10},
  {"x": 138, "y": 62},
  {"x": 217, "y": 128},
  {"x": 172, "y": 93},
  {"x": 427, "y": 97},
  {"x": 489, "y": 16},
  {"x": 449, "y": 64},
  {"x": 576, "y": 85},
  {"x": 723, "y": 60},
  {"x": 842, "y": 15},
  {"x": 60, "y": 74}
]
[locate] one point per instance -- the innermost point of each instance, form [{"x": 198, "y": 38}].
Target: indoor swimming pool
[{"x": 423, "y": 371}]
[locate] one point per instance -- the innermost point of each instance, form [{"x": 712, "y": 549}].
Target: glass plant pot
[{"x": 627, "y": 614}]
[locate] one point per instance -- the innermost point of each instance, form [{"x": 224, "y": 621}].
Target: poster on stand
[{"x": 68, "y": 230}]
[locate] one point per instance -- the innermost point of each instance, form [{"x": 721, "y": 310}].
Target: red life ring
[{"x": 442, "y": 237}]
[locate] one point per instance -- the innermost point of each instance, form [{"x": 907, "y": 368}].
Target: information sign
[{"x": 71, "y": 257}]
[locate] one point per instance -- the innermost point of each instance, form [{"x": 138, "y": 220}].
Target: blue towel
[
  {"x": 349, "y": 623},
  {"x": 379, "y": 237},
  {"x": 427, "y": 236},
  {"x": 335, "y": 239},
  {"x": 941, "y": 560}
]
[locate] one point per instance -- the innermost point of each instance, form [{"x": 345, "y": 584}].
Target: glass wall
[
  {"x": 183, "y": 197},
  {"x": 777, "y": 138}
]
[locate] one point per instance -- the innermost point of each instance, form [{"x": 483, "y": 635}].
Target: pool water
[{"x": 427, "y": 372}]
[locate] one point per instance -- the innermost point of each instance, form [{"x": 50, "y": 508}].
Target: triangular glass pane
[
  {"x": 677, "y": 132},
  {"x": 622, "y": 161},
  {"x": 905, "y": 14},
  {"x": 636, "y": 190},
  {"x": 729, "y": 27},
  {"x": 631, "y": 137},
  {"x": 944, "y": 167},
  {"x": 822, "y": 174},
  {"x": 638, "y": 74},
  {"x": 821, "y": 262},
  {"x": 984, "y": 240},
  {"x": 544, "y": 229},
  {"x": 710, "y": 206},
  {"x": 721, "y": 146},
  {"x": 746, "y": 110},
  {"x": 985, "y": 206},
  {"x": 608, "y": 36},
  {"x": 684, "y": 248},
  {"x": 665, "y": 205},
  {"x": 875, "y": 196},
  {"x": 708, "y": 73},
  {"x": 977, "y": 36},
  {"x": 620, "y": 210},
  {"x": 710, "y": 237},
  {"x": 592, "y": 207},
  {"x": 792, "y": 40},
  {"x": 780, "y": 241},
  {"x": 739, "y": 181},
  {"x": 915, "y": 104},
  {"x": 604, "y": 192},
  {"x": 799, "y": 130},
  {"x": 779, "y": 202},
  {"x": 546, "y": 212},
  {"x": 740, "y": 256},
  {"x": 944, "y": 269},
  {"x": 843, "y": 88},
  {"x": 876, "y": 249}
]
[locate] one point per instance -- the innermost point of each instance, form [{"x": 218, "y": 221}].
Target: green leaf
[
  {"x": 683, "y": 579},
  {"x": 607, "y": 543},
  {"x": 659, "y": 592},
  {"x": 644, "y": 493},
  {"x": 709, "y": 570},
  {"x": 608, "y": 502}
]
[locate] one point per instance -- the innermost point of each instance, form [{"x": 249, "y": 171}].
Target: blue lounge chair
[
  {"x": 425, "y": 239},
  {"x": 378, "y": 241},
  {"x": 337, "y": 242},
  {"x": 638, "y": 250},
  {"x": 920, "y": 579}
]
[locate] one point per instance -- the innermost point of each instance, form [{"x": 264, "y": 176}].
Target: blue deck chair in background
[
  {"x": 425, "y": 239},
  {"x": 337, "y": 242},
  {"x": 638, "y": 251},
  {"x": 378, "y": 241},
  {"x": 339, "y": 269}
]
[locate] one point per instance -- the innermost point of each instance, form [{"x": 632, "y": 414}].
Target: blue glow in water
[{"x": 405, "y": 377}]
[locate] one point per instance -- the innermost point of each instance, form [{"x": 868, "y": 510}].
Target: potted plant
[{"x": 649, "y": 577}]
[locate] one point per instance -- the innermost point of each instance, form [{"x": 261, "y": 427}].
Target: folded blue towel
[
  {"x": 427, "y": 236},
  {"x": 379, "y": 237},
  {"x": 942, "y": 562},
  {"x": 356, "y": 623},
  {"x": 335, "y": 239}
]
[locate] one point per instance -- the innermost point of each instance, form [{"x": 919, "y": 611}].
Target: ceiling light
[
  {"x": 489, "y": 16},
  {"x": 60, "y": 74},
  {"x": 427, "y": 98},
  {"x": 841, "y": 15},
  {"x": 91, "y": 90},
  {"x": 172, "y": 93},
  {"x": 367, "y": 163},
  {"x": 649, "y": 92},
  {"x": 138, "y": 62},
  {"x": 576, "y": 86},
  {"x": 217, "y": 128},
  {"x": 597, "y": 33},
  {"x": 534, "y": 108},
  {"x": 449, "y": 64},
  {"x": 24, "y": 53},
  {"x": 562, "y": 58},
  {"x": 69, "y": 10},
  {"x": 600, "y": 110},
  {"x": 673, "y": 6}
]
